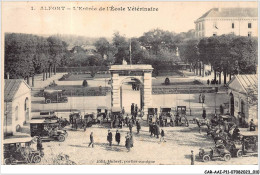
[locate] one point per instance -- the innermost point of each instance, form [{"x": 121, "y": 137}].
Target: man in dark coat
[
  {"x": 109, "y": 137},
  {"x": 151, "y": 128},
  {"x": 117, "y": 137},
  {"x": 91, "y": 140},
  {"x": 131, "y": 140},
  {"x": 157, "y": 130},
  {"x": 127, "y": 142},
  {"x": 123, "y": 110},
  {"x": 39, "y": 144},
  {"x": 126, "y": 120},
  {"x": 132, "y": 108},
  {"x": 136, "y": 111},
  {"x": 138, "y": 126},
  {"x": 192, "y": 158},
  {"x": 130, "y": 127}
]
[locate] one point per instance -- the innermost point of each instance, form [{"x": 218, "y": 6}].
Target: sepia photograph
[{"x": 130, "y": 83}]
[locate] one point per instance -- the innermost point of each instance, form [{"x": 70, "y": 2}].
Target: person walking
[
  {"x": 127, "y": 142},
  {"x": 136, "y": 110},
  {"x": 204, "y": 115},
  {"x": 138, "y": 126},
  {"x": 123, "y": 110},
  {"x": 203, "y": 98},
  {"x": 151, "y": 129},
  {"x": 131, "y": 140},
  {"x": 132, "y": 109},
  {"x": 157, "y": 130},
  {"x": 192, "y": 158},
  {"x": 109, "y": 137},
  {"x": 118, "y": 137},
  {"x": 130, "y": 127},
  {"x": 91, "y": 140},
  {"x": 162, "y": 136},
  {"x": 126, "y": 120}
]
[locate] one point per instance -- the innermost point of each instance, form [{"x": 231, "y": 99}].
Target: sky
[{"x": 176, "y": 17}]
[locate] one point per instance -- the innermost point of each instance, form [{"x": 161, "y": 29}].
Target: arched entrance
[
  {"x": 140, "y": 74},
  {"x": 131, "y": 91},
  {"x": 232, "y": 107}
]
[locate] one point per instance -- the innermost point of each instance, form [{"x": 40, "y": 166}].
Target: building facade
[
  {"x": 240, "y": 90},
  {"x": 17, "y": 105},
  {"x": 219, "y": 21}
]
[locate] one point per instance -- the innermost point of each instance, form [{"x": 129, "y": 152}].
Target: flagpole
[{"x": 130, "y": 50}]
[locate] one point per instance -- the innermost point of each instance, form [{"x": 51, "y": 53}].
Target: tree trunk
[
  {"x": 43, "y": 75},
  {"x": 200, "y": 67},
  {"x": 225, "y": 77},
  {"x": 54, "y": 69},
  {"x": 215, "y": 75},
  {"x": 203, "y": 71},
  {"x": 49, "y": 71},
  {"x": 46, "y": 73},
  {"x": 219, "y": 82},
  {"x": 33, "y": 81},
  {"x": 28, "y": 80}
]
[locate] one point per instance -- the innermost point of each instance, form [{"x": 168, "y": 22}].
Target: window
[
  {"x": 249, "y": 25},
  {"x": 233, "y": 25},
  {"x": 249, "y": 34}
]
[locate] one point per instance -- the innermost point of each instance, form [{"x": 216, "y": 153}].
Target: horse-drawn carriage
[
  {"x": 180, "y": 116},
  {"x": 21, "y": 151}
]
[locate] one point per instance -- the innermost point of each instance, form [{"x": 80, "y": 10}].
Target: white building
[
  {"x": 219, "y": 21},
  {"x": 240, "y": 90},
  {"x": 17, "y": 105}
]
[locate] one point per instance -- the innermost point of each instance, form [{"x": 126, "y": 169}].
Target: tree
[
  {"x": 102, "y": 46},
  {"x": 121, "y": 48}
]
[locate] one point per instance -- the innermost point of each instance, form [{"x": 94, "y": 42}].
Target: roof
[
  {"x": 230, "y": 12},
  {"x": 17, "y": 140},
  {"x": 247, "y": 81},
  {"x": 11, "y": 88}
]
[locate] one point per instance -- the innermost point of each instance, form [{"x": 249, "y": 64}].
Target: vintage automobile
[
  {"x": 235, "y": 148},
  {"x": 166, "y": 115},
  {"x": 152, "y": 115},
  {"x": 54, "y": 96},
  {"x": 48, "y": 130},
  {"x": 20, "y": 151},
  {"x": 102, "y": 112},
  {"x": 249, "y": 141},
  {"x": 219, "y": 151},
  {"x": 77, "y": 121},
  {"x": 180, "y": 116}
]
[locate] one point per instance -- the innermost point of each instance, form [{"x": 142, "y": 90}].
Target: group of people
[
  {"x": 129, "y": 143},
  {"x": 135, "y": 87},
  {"x": 154, "y": 129},
  {"x": 134, "y": 110}
]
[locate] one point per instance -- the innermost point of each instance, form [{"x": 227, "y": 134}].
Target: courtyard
[{"x": 147, "y": 150}]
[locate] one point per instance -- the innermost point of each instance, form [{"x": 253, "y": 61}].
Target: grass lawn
[{"x": 82, "y": 91}]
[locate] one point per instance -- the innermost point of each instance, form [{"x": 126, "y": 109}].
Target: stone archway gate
[{"x": 141, "y": 72}]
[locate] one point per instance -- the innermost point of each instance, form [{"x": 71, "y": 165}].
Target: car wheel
[
  {"x": 227, "y": 157},
  {"x": 239, "y": 153},
  {"x": 61, "y": 138},
  {"x": 7, "y": 161},
  {"x": 206, "y": 158},
  {"x": 48, "y": 101},
  {"x": 37, "y": 159}
]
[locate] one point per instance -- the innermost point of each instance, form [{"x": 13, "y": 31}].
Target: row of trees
[
  {"x": 27, "y": 55},
  {"x": 226, "y": 54}
]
